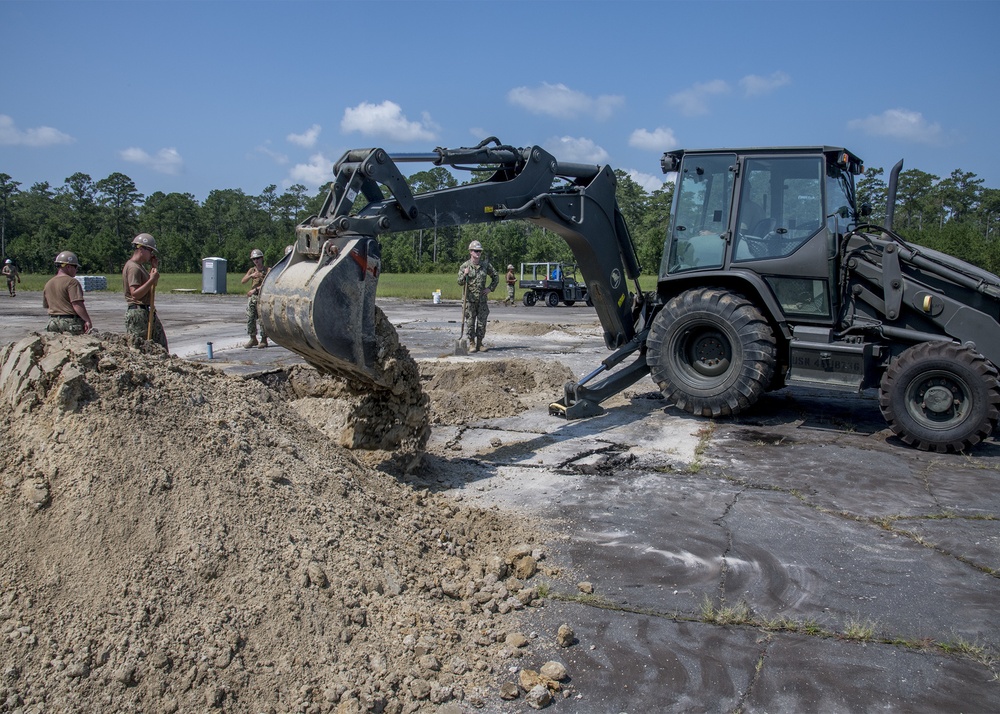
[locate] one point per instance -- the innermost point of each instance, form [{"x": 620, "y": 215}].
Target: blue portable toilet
[{"x": 213, "y": 276}]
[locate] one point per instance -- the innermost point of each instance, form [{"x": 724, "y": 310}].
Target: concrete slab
[{"x": 810, "y": 674}]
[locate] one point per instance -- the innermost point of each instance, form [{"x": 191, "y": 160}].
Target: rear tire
[
  {"x": 528, "y": 299},
  {"x": 940, "y": 396},
  {"x": 552, "y": 299},
  {"x": 711, "y": 352},
  {"x": 569, "y": 303}
]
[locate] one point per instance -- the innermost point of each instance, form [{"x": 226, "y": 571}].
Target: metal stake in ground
[
  {"x": 152, "y": 313},
  {"x": 462, "y": 345}
]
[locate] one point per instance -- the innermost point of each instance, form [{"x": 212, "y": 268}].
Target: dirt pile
[
  {"x": 465, "y": 392},
  {"x": 362, "y": 415},
  {"x": 179, "y": 540}
]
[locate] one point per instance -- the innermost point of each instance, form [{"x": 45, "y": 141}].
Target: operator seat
[{"x": 763, "y": 227}]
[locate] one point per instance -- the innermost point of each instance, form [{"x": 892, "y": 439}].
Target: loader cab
[{"x": 772, "y": 217}]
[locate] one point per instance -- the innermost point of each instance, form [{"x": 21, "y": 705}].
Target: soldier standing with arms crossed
[
  {"x": 472, "y": 275},
  {"x": 62, "y": 296},
  {"x": 139, "y": 287},
  {"x": 256, "y": 273}
]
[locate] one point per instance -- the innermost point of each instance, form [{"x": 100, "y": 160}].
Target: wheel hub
[
  {"x": 711, "y": 355},
  {"x": 938, "y": 399}
]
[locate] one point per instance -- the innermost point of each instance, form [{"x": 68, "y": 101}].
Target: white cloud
[
  {"x": 899, "y": 124},
  {"x": 165, "y": 161},
  {"x": 560, "y": 101},
  {"x": 576, "y": 150},
  {"x": 386, "y": 119},
  {"x": 755, "y": 85},
  {"x": 314, "y": 174},
  {"x": 40, "y": 136},
  {"x": 276, "y": 156},
  {"x": 693, "y": 101},
  {"x": 307, "y": 139},
  {"x": 649, "y": 182},
  {"x": 660, "y": 139}
]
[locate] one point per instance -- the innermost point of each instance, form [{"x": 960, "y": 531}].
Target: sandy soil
[{"x": 176, "y": 539}]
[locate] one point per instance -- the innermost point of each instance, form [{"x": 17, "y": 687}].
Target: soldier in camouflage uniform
[
  {"x": 256, "y": 273},
  {"x": 62, "y": 297},
  {"x": 11, "y": 273},
  {"x": 139, "y": 287},
  {"x": 511, "y": 281},
  {"x": 472, "y": 275}
]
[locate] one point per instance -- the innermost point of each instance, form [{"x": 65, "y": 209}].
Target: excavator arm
[{"x": 319, "y": 301}]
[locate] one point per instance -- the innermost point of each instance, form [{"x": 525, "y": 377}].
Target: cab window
[
  {"x": 781, "y": 206},
  {"x": 702, "y": 202}
]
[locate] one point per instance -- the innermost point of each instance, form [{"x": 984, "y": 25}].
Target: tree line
[{"x": 98, "y": 219}]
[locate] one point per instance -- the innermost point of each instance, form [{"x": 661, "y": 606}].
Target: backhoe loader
[{"x": 770, "y": 277}]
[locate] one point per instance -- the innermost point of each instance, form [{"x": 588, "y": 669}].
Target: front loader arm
[{"x": 319, "y": 301}]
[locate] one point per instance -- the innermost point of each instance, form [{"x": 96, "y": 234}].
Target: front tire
[
  {"x": 711, "y": 352},
  {"x": 940, "y": 396}
]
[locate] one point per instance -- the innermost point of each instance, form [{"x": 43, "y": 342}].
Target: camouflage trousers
[
  {"x": 137, "y": 323},
  {"x": 64, "y": 323},
  {"x": 476, "y": 313},
  {"x": 510, "y": 294},
  {"x": 252, "y": 317}
]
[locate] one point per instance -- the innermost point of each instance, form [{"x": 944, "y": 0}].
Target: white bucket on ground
[{"x": 436, "y": 296}]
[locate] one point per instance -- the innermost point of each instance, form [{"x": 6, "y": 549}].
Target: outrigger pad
[{"x": 324, "y": 309}]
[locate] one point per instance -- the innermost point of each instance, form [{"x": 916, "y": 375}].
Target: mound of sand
[
  {"x": 179, "y": 540},
  {"x": 465, "y": 392}
]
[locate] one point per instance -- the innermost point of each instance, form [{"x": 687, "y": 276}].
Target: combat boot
[
  {"x": 479, "y": 345},
  {"x": 473, "y": 347},
  {"x": 252, "y": 342},
  {"x": 263, "y": 342}
]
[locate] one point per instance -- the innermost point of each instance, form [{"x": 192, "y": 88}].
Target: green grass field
[{"x": 395, "y": 285}]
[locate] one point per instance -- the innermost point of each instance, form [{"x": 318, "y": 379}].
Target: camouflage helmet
[
  {"x": 256, "y": 253},
  {"x": 475, "y": 245},
  {"x": 8, "y": 261},
  {"x": 67, "y": 257},
  {"x": 510, "y": 267},
  {"x": 145, "y": 240}
]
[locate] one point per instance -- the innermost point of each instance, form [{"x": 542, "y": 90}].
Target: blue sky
[{"x": 195, "y": 96}]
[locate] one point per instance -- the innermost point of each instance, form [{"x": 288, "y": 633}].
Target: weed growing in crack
[
  {"x": 859, "y": 630},
  {"x": 704, "y": 437},
  {"x": 973, "y": 650},
  {"x": 738, "y": 614}
]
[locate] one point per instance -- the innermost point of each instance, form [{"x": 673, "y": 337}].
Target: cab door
[
  {"x": 702, "y": 204},
  {"x": 781, "y": 232}
]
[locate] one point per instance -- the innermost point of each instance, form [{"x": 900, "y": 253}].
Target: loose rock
[{"x": 201, "y": 545}]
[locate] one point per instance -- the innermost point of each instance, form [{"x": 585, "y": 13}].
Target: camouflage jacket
[{"x": 476, "y": 280}]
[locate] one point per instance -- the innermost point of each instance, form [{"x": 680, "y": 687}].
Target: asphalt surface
[{"x": 797, "y": 559}]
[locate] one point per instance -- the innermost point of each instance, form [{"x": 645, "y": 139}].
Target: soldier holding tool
[
  {"x": 256, "y": 273},
  {"x": 472, "y": 275},
  {"x": 139, "y": 285}
]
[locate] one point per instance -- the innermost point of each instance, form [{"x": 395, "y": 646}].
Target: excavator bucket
[{"x": 320, "y": 303}]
